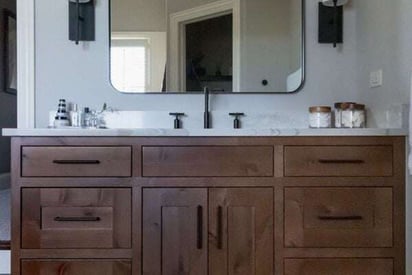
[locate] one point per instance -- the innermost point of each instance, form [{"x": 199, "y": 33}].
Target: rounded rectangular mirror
[{"x": 181, "y": 46}]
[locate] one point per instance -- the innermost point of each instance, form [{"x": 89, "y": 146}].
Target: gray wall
[
  {"x": 81, "y": 73},
  {"x": 8, "y": 102}
]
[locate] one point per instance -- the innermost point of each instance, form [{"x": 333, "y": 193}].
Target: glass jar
[
  {"x": 320, "y": 117},
  {"x": 353, "y": 115},
  {"x": 338, "y": 113}
]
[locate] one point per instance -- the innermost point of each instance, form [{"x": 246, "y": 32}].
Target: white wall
[
  {"x": 81, "y": 73},
  {"x": 4, "y": 262}
]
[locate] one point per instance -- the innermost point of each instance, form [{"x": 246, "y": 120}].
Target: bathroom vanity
[{"x": 121, "y": 203}]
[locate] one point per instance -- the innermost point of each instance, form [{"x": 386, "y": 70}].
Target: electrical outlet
[{"x": 376, "y": 79}]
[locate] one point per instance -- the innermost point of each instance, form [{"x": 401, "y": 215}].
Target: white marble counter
[{"x": 75, "y": 132}]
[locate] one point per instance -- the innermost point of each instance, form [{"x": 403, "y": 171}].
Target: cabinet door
[
  {"x": 175, "y": 231},
  {"x": 241, "y": 231}
]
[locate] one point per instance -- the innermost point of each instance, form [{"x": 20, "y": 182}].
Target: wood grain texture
[
  {"x": 338, "y": 217},
  {"x": 339, "y": 267},
  {"x": 208, "y": 161},
  {"x": 170, "y": 231},
  {"x": 71, "y": 267},
  {"x": 109, "y": 161},
  {"x": 247, "y": 246},
  {"x": 41, "y": 207},
  {"x": 351, "y": 161}
]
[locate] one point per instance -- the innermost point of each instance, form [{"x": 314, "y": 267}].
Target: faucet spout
[{"x": 206, "y": 113}]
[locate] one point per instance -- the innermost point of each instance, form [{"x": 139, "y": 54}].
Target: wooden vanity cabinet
[{"x": 208, "y": 205}]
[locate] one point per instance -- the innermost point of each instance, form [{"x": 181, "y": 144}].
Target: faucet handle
[
  {"x": 236, "y": 122},
  {"x": 177, "y": 122}
]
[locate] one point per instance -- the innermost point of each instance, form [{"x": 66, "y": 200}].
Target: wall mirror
[{"x": 180, "y": 46}]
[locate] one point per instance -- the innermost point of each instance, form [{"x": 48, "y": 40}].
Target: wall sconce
[
  {"x": 81, "y": 20},
  {"x": 331, "y": 21}
]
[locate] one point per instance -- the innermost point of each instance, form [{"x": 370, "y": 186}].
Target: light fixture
[
  {"x": 331, "y": 21},
  {"x": 81, "y": 20}
]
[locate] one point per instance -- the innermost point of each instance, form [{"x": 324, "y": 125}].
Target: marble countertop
[{"x": 76, "y": 132}]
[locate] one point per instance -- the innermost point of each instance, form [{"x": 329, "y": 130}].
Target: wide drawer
[
  {"x": 339, "y": 267},
  {"x": 338, "y": 217},
  {"x": 76, "y": 218},
  {"x": 349, "y": 161},
  {"x": 208, "y": 161},
  {"x": 76, "y": 267},
  {"x": 73, "y": 161}
]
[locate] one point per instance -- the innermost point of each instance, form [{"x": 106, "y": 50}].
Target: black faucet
[{"x": 206, "y": 119}]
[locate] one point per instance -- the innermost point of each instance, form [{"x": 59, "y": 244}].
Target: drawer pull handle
[
  {"x": 341, "y": 161},
  {"x": 220, "y": 227},
  {"x": 77, "y": 219},
  {"x": 340, "y": 218},
  {"x": 199, "y": 227},
  {"x": 76, "y": 162}
]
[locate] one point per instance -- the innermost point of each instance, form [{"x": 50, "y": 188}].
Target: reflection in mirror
[{"x": 226, "y": 45}]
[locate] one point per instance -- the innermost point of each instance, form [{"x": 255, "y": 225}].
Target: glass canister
[
  {"x": 338, "y": 113},
  {"x": 353, "y": 115},
  {"x": 320, "y": 117}
]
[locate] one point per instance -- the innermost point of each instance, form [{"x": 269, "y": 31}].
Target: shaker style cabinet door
[
  {"x": 241, "y": 231},
  {"x": 175, "y": 231}
]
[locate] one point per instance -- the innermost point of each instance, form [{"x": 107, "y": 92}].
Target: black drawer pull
[
  {"x": 76, "y": 162},
  {"x": 199, "y": 227},
  {"x": 341, "y": 161},
  {"x": 340, "y": 218},
  {"x": 77, "y": 219}
]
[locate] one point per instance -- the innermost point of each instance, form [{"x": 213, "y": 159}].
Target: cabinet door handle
[
  {"x": 341, "y": 161},
  {"x": 77, "y": 219},
  {"x": 220, "y": 227},
  {"x": 76, "y": 162},
  {"x": 199, "y": 227},
  {"x": 340, "y": 218}
]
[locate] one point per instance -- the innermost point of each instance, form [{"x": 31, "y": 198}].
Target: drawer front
[
  {"x": 76, "y": 218},
  {"x": 339, "y": 267},
  {"x": 335, "y": 161},
  {"x": 338, "y": 217},
  {"x": 70, "y": 161},
  {"x": 208, "y": 161},
  {"x": 73, "y": 267}
]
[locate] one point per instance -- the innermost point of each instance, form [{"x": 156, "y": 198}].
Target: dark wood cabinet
[{"x": 208, "y": 205}]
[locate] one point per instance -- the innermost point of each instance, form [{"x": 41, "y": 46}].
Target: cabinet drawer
[
  {"x": 339, "y": 267},
  {"x": 76, "y": 218},
  {"x": 208, "y": 161},
  {"x": 74, "y": 267},
  {"x": 338, "y": 217},
  {"x": 70, "y": 161},
  {"x": 349, "y": 161}
]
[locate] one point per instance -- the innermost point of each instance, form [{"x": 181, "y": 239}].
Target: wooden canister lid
[{"x": 320, "y": 109}]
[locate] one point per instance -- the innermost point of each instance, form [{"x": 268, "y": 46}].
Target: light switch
[{"x": 376, "y": 79}]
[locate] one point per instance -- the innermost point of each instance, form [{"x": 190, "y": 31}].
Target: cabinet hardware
[
  {"x": 77, "y": 219},
  {"x": 76, "y": 161},
  {"x": 220, "y": 227},
  {"x": 341, "y": 161},
  {"x": 340, "y": 218},
  {"x": 199, "y": 227}
]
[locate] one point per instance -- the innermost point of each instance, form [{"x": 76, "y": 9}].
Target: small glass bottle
[
  {"x": 338, "y": 113},
  {"x": 320, "y": 117}
]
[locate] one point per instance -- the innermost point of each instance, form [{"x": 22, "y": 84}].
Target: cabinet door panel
[
  {"x": 69, "y": 267},
  {"x": 174, "y": 231},
  {"x": 241, "y": 231}
]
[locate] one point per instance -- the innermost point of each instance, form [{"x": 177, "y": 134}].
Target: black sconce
[
  {"x": 81, "y": 20},
  {"x": 331, "y": 21}
]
